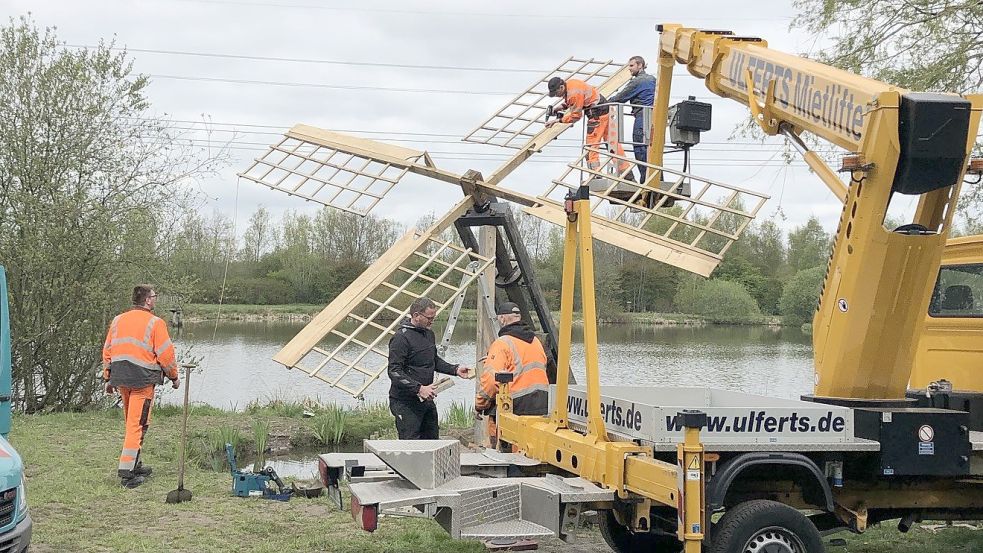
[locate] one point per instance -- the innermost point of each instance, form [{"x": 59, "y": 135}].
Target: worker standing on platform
[
  {"x": 137, "y": 356},
  {"x": 579, "y": 99},
  {"x": 639, "y": 91},
  {"x": 517, "y": 350},
  {"x": 413, "y": 360}
]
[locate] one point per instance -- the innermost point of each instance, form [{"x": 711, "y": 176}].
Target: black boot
[
  {"x": 132, "y": 482},
  {"x": 142, "y": 470}
]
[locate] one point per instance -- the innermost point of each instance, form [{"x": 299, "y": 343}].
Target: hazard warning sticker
[{"x": 926, "y": 433}]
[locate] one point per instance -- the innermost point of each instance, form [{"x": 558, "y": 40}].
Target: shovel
[{"x": 180, "y": 495}]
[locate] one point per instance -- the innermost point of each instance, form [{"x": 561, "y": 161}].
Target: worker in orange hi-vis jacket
[
  {"x": 516, "y": 350},
  {"x": 579, "y": 99},
  {"x": 137, "y": 356}
]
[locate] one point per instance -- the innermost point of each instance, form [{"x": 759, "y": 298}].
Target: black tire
[
  {"x": 760, "y": 525},
  {"x": 622, "y": 540}
]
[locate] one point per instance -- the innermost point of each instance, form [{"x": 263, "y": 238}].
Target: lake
[{"x": 236, "y": 366}]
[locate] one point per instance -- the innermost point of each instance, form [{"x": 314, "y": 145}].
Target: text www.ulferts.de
[{"x": 755, "y": 421}]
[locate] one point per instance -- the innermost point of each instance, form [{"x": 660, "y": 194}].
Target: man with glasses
[
  {"x": 413, "y": 360},
  {"x": 137, "y": 356}
]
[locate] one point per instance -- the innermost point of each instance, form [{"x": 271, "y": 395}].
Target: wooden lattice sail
[{"x": 345, "y": 345}]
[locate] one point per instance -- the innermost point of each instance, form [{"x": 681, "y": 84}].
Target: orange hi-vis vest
[
  {"x": 579, "y": 97},
  {"x": 530, "y": 385},
  {"x": 138, "y": 350}
]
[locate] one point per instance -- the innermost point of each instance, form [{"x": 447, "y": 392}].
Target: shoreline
[{"x": 203, "y": 313}]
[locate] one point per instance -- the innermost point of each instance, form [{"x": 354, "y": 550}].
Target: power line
[
  {"x": 332, "y": 62},
  {"x": 590, "y": 16},
  {"x": 320, "y": 61},
  {"x": 365, "y": 87},
  {"x": 751, "y": 145},
  {"x": 209, "y": 126},
  {"x": 334, "y": 86},
  {"x": 490, "y": 156}
]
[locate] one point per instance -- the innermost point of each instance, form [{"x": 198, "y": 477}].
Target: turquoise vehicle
[{"x": 15, "y": 521}]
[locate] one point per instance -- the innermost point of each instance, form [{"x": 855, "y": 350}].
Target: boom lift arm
[{"x": 879, "y": 280}]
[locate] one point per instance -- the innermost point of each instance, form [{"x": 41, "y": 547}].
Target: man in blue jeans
[{"x": 639, "y": 91}]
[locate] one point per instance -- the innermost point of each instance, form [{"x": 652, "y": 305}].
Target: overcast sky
[{"x": 358, "y": 69}]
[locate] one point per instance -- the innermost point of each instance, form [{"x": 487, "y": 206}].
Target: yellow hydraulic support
[{"x": 627, "y": 468}]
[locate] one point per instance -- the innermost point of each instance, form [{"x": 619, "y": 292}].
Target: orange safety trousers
[
  {"x": 136, "y": 415},
  {"x": 600, "y": 130}
]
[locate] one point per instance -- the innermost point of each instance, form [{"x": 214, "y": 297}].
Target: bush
[
  {"x": 718, "y": 301},
  {"x": 801, "y": 296}
]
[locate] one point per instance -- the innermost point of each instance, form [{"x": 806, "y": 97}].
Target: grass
[
  {"x": 459, "y": 415},
  {"x": 329, "y": 425},
  {"x": 78, "y": 505},
  {"x": 261, "y": 436}
]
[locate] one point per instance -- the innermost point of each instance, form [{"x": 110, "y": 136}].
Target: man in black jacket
[{"x": 412, "y": 361}]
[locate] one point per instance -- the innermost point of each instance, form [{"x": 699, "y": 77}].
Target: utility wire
[
  {"x": 363, "y": 87},
  {"x": 332, "y": 62},
  {"x": 209, "y": 127},
  {"x": 499, "y": 153},
  {"x": 333, "y": 86},
  {"x": 593, "y": 15},
  {"x": 319, "y": 61}
]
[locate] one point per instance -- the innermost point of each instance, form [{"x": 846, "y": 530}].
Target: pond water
[{"x": 236, "y": 366}]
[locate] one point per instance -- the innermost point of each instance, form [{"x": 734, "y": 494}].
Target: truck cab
[
  {"x": 951, "y": 343},
  {"x": 948, "y": 367},
  {"x": 15, "y": 520}
]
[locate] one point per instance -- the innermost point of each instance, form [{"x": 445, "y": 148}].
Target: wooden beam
[
  {"x": 649, "y": 245},
  {"x": 486, "y": 330}
]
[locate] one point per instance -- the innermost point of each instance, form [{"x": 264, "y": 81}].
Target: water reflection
[{"x": 237, "y": 369}]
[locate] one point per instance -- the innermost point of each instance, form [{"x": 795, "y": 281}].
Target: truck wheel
[
  {"x": 762, "y": 526},
  {"x": 622, "y": 540}
]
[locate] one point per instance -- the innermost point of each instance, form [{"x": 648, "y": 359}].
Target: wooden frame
[
  {"x": 345, "y": 344},
  {"x": 524, "y": 117}
]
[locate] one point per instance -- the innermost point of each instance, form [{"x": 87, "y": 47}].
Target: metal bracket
[
  {"x": 571, "y": 520},
  {"x": 764, "y": 115}
]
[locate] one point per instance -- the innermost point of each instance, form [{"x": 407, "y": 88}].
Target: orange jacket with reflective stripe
[
  {"x": 138, "y": 350},
  {"x": 580, "y": 95},
  {"x": 530, "y": 385}
]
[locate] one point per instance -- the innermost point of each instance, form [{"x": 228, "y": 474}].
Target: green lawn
[{"x": 78, "y": 505}]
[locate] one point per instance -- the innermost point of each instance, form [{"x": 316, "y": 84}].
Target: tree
[
  {"x": 808, "y": 246},
  {"x": 260, "y": 235},
  {"x": 341, "y": 236},
  {"x": 766, "y": 248},
  {"x": 717, "y": 301},
  {"x": 921, "y": 45},
  {"x": 801, "y": 296},
  {"x": 88, "y": 183}
]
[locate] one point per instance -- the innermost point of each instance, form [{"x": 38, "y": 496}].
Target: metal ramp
[{"x": 471, "y": 506}]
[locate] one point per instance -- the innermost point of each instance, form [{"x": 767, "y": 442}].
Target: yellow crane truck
[{"x": 674, "y": 469}]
